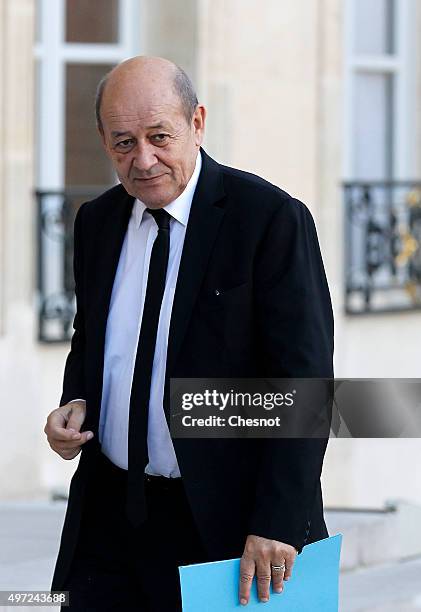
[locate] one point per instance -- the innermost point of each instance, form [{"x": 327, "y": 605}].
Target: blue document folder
[{"x": 313, "y": 587}]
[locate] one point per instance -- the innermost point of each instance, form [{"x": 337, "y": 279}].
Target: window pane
[
  {"x": 37, "y": 21},
  {"x": 373, "y": 126},
  {"x": 86, "y": 162},
  {"x": 92, "y": 21},
  {"x": 37, "y": 118},
  {"x": 374, "y": 26}
]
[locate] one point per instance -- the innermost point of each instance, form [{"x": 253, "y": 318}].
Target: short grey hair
[{"x": 183, "y": 87}]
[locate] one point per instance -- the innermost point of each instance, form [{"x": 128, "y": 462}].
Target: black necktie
[{"x": 140, "y": 391}]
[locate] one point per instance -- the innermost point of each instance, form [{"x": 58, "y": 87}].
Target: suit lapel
[{"x": 202, "y": 228}]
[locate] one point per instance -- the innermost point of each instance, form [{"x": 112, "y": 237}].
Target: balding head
[
  {"x": 152, "y": 69},
  {"x": 151, "y": 126}
]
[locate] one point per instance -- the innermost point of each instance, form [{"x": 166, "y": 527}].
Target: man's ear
[{"x": 199, "y": 119}]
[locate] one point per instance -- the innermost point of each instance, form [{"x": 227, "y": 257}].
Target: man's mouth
[{"x": 151, "y": 178}]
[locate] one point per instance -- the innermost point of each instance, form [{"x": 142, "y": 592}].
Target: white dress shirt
[{"x": 122, "y": 333}]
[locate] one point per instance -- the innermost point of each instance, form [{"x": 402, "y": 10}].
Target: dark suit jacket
[{"x": 272, "y": 318}]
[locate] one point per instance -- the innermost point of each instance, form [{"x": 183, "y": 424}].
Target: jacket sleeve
[
  {"x": 73, "y": 380},
  {"x": 295, "y": 336}
]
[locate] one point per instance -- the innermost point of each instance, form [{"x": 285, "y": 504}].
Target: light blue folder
[{"x": 313, "y": 587}]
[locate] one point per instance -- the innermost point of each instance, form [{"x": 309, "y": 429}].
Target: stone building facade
[{"x": 306, "y": 93}]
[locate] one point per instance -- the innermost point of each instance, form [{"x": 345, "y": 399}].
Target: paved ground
[
  {"x": 29, "y": 536},
  {"x": 387, "y": 588},
  {"x": 29, "y": 539}
]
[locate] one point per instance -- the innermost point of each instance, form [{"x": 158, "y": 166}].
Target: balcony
[
  {"x": 56, "y": 210},
  {"x": 382, "y": 246},
  {"x": 382, "y": 251}
]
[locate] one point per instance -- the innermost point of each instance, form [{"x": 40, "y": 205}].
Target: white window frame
[
  {"x": 401, "y": 64},
  {"x": 52, "y": 54}
]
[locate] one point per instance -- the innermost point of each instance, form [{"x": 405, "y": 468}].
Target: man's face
[{"x": 151, "y": 144}]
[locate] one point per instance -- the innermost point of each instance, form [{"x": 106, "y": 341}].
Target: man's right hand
[{"x": 63, "y": 429}]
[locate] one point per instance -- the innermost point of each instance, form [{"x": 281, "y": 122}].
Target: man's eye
[
  {"x": 159, "y": 138},
  {"x": 124, "y": 144}
]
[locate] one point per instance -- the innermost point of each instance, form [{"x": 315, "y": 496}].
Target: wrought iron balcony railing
[
  {"x": 56, "y": 213},
  {"x": 382, "y": 246},
  {"x": 382, "y": 251}
]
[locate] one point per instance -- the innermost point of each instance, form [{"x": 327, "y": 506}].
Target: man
[{"x": 186, "y": 269}]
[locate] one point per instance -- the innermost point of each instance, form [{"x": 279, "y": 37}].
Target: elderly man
[{"x": 185, "y": 269}]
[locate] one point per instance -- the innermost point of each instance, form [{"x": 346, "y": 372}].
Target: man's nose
[{"x": 144, "y": 158}]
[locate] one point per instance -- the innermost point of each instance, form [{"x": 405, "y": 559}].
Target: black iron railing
[
  {"x": 382, "y": 246},
  {"x": 382, "y": 251},
  {"x": 56, "y": 303}
]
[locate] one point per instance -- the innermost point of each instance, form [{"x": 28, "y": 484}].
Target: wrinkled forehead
[
  {"x": 140, "y": 104},
  {"x": 160, "y": 117}
]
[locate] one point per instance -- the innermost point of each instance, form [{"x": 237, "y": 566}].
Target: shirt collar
[{"x": 178, "y": 208}]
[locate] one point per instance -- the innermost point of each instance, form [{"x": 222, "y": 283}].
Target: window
[
  {"x": 383, "y": 204},
  {"x": 77, "y": 42},
  {"x": 379, "y": 90}
]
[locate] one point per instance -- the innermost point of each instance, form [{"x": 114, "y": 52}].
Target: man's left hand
[{"x": 259, "y": 557}]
